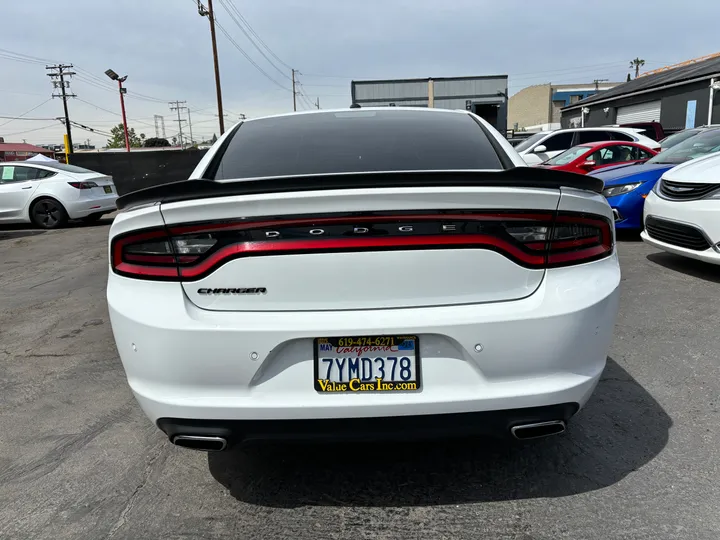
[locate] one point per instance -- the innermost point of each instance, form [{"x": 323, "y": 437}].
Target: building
[
  {"x": 679, "y": 96},
  {"x": 486, "y": 96},
  {"x": 21, "y": 151},
  {"x": 538, "y": 107}
]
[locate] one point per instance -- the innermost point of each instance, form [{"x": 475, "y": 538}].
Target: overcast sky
[{"x": 164, "y": 48}]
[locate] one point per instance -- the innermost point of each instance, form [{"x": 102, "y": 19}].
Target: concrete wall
[{"x": 530, "y": 106}]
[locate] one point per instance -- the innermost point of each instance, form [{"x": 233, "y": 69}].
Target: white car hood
[{"x": 701, "y": 170}]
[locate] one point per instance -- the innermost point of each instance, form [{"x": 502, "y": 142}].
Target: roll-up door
[{"x": 642, "y": 112}]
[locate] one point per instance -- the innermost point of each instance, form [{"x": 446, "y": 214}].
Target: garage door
[{"x": 642, "y": 112}]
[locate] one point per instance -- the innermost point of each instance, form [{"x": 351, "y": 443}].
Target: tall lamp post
[{"x": 115, "y": 77}]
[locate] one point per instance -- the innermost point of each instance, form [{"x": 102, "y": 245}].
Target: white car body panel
[
  {"x": 703, "y": 214},
  {"x": 493, "y": 335},
  {"x": 16, "y": 198},
  {"x": 531, "y": 158},
  {"x": 529, "y": 357}
]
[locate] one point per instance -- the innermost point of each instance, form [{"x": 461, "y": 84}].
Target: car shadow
[
  {"x": 625, "y": 235},
  {"x": 621, "y": 429},
  {"x": 686, "y": 265},
  {"x": 14, "y": 235}
]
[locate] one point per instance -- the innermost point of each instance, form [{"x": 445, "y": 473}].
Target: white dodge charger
[{"x": 363, "y": 272}]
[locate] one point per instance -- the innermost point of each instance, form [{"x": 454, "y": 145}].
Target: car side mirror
[
  {"x": 588, "y": 164},
  {"x": 540, "y": 149}
]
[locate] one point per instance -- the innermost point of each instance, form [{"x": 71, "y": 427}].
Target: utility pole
[
  {"x": 597, "y": 83},
  {"x": 317, "y": 103},
  {"x": 178, "y": 106},
  {"x": 210, "y": 15},
  {"x": 190, "y": 126},
  {"x": 293, "y": 90},
  {"x": 60, "y": 71}
]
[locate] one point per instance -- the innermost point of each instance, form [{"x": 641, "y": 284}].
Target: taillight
[
  {"x": 83, "y": 185},
  {"x": 536, "y": 240}
]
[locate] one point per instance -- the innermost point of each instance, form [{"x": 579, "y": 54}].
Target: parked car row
[
  {"x": 547, "y": 144},
  {"x": 628, "y": 185}
]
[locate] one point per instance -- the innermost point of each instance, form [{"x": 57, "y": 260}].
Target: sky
[{"x": 163, "y": 46}]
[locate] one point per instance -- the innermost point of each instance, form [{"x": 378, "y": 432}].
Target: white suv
[
  {"x": 364, "y": 271},
  {"x": 548, "y": 144}
]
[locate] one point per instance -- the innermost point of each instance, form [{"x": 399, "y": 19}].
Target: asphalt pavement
[{"x": 78, "y": 459}]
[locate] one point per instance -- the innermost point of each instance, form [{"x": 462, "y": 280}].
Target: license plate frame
[
  {"x": 107, "y": 189},
  {"x": 378, "y": 388}
]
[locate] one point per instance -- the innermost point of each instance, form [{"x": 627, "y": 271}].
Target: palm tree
[{"x": 637, "y": 64}]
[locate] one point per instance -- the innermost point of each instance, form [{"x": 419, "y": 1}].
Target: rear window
[{"x": 355, "y": 141}]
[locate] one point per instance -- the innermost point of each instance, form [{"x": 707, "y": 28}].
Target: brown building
[
  {"x": 21, "y": 151},
  {"x": 539, "y": 106}
]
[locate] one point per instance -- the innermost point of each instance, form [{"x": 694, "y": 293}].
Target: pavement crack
[{"x": 133, "y": 496}]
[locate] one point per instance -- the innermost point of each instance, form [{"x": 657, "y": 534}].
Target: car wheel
[
  {"x": 48, "y": 213},
  {"x": 92, "y": 218}
]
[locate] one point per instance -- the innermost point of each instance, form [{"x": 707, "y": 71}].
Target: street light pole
[
  {"x": 123, "y": 91},
  {"x": 115, "y": 77}
]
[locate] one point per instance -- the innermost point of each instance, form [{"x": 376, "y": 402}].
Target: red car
[{"x": 584, "y": 158}]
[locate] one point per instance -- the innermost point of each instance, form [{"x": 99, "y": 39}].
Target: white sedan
[
  {"x": 682, "y": 213},
  {"x": 360, "y": 272},
  {"x": 48, "y": 194}
]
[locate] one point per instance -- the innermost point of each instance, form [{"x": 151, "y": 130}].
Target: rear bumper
[
  {"x": 188, "y": 363},
  {"x": 493, "y": 423},
  {"x": 84, "y": 207}
]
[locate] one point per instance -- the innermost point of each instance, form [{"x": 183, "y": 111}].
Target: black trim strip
[{"x": 519, "y": 177}]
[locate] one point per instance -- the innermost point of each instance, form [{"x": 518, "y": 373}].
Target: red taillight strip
[
  {"x": 314, "y": 246},
  {"x": 147, "y": 271},
  {"x": 563, "y": 244},
  {"x": 579, "y": 255},
  {"x": 242, "y": 225}
]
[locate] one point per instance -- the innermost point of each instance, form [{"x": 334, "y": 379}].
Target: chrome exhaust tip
[
  {"x": 198, "y": 442},
  {"x": 524, "y": 432}
]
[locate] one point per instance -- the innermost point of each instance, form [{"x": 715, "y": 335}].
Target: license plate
[
  {"x": 108, "y": 189},
  {"x": 367, "y": 364}
]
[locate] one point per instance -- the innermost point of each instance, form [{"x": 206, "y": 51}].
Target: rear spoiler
[{"x": 521, "y": 177}]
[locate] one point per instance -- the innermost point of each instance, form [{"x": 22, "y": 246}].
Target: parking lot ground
[{"x": 78, "y": 459}]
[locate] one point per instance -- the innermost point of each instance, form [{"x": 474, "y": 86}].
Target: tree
[
  {"x": 629, "y": 78},
  {"x": 637, "y": 63},
  {"x": 117, "y": 138},
  {"x": 154, "y": 142}
]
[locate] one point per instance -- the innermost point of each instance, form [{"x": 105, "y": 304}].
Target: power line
[
  {"x": 29, "y": 130},
  {"x": 26, "y": 112},
  {"x": 250, "y": 39},
  {"x": 254, "y": 33},
  {"x": 242, "y": 51},
  {"x": 115, "y": 113}
]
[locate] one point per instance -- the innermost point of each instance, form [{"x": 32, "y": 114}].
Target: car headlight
[{"x": 612, "y": 191}]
